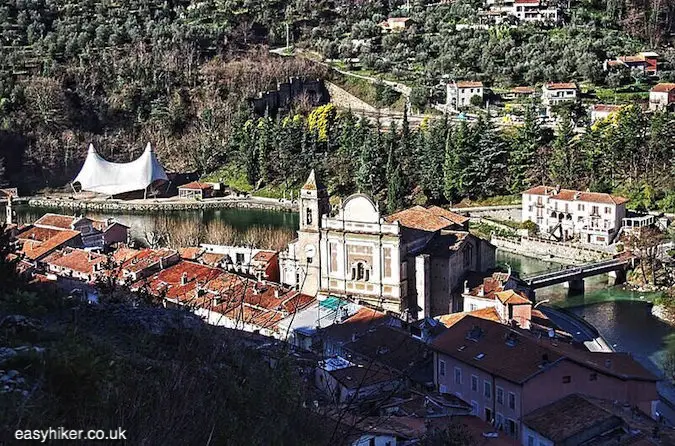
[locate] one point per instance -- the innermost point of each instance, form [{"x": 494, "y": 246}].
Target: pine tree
[
  {"x": 524, "y": 148},
  {"x": 564, "y": 154},
  {"x": 484, "y": 175}
]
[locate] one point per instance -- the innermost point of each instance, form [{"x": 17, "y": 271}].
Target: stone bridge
[{"x": 573, "y": 276}]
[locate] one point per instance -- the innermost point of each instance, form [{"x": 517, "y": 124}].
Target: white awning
[{"x": 105, "y": 177}]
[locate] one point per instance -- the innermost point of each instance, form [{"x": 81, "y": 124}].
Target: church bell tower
[{"x": 313, "y": 205}]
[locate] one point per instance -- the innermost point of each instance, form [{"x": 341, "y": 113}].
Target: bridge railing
[{"x": 571, "y": 271}]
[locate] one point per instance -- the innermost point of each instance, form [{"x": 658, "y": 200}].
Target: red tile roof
[
  {"x": 264, "y": 256},
  {"x": 431, "y": 219},
  {"x": 37, "y": 234},
  {"x": 76, "y": 260},
  {"x": 196, "y": 185},
  {"x": 469, "y": 84},
  {"x": 561, "y": 86},
  {"x": 451, "y": 319},
  {"x": 481, "y": 344},
  {"x": 607, "y": 108},
  {"x": 211, "y": 258},
  {"x": 663, "y": 88},
  {"x": 356, "y": 325},
  {"x": 233, "y": 296},
  {"x": 56, "y": 221},
  {"x": 523, "y": 90},
  {"x": 569, "y": 195},
  {"x": 35, "y": 250},
  {"x": 191, "y": 253},
  {"x": 511, "y": 297}
]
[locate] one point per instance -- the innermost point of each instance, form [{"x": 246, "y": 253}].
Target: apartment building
[
  {"x": 564, "y": 214},
  {"x": 506, "y": 373}
]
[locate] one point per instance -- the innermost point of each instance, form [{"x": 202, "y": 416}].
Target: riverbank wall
[
  {"x": 150, "y": 206},
  {"x": 566, "y": 253},
  {"x": 662, "y": 313}
]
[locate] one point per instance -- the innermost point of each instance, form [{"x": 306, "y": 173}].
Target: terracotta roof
[
  {"x": 264, "y": 256},
  {"x": 569, "y": 416},
  {"x": 663, "y": 88},
  {"x": 561, "y": 86},
  {"x": 196, "y": 185},
  {"x": 511, "y": 297},
  {"x": 430, "y": 220},
  {"x": 33, "y": 233},
  {"x": 481, "y": 343},
  {"x": 190, "y": 253},
  {"x": 124, "y": 253},
  {"x": 607, "y": 108},
  {"x": 75, "y": 259},
  {"x": 569, "y": 195},
  {"x": 56, "y": 221},
  {"x": 523, "y": 90},
  {"x": 489, "y": 313},
  {"x": 632, "y": 59},
  {"x": 147, "y": 258},
  {"x": 35, "y": 250},
  {"x": 356, "y": 376},
  {"x": 233, "y": 296},
  {"x": 211, "y": 258},
  {"x": 469, "y": 84},
  {"x": 357, "y": 324}
]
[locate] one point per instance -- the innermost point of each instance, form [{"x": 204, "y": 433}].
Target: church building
[{"x": 411, "y": 262}]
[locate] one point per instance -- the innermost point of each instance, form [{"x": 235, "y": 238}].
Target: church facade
[{"x": 410, "y": 262}]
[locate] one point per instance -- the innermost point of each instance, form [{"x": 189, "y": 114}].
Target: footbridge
[{"x": 573, "y": 276}]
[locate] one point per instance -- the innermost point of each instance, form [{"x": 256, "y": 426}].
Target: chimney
[
  {"x": 466, "y": 287},
  {"x": 481, "y": 291},
  {"x": 276, "y": 293},
  {"x": 184, "y": 279}
]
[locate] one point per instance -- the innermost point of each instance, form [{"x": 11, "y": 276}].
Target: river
[{"x": 622, "y": 317}]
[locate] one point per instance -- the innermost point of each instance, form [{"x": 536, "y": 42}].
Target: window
[
  {"x": 473, "y": 307},
  {"x": 580, "y": 207},
  {"x": 499, "y": 421},
  {"x": 309, "y": 216},
  {"x": 500, "y": 395},
  {"x": 386, "y": 254},
  {"x": 595, "y": 210},
  {"x": 593, "y": 377},
  {"x": 487, "y": 389},
  {"x": 309, "y": 260},
  {"x": 441, "y": 367},
  {"x": 333, "y": 257},
  {"x": 240, "y": 258},
  {"x": 474, "y": 383},
  {"x": 475, "y": 408},
  {"x": 488, "y": 415},
  {"x": 512, "y": 400},
  {"x": 458, "y": 375},
  {"x": 371, "y": 441},
  {"x": 608, "y": 210},
  {"x": 512, "y": 428},
  {"x": 468, "y": 254},
  {"x": 567, "y": 379},
  {"x": 360, "y": 271},
  {"x": 530, "y": 440}
]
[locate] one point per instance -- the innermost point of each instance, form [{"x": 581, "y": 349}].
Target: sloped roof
[
  {"x": 560, "y": 86},
  {"x": 196, "y": 185},
  {"x": 105, "y": 177},
  {"x": 35, "y": 250},
  {"x": 312, "y": 183},
  {"x": 423, "y": 219},
  {"x": 489, "y": 313},
  {"x": 663, "y": 88},
  {"x": 567, "y": 417},
  {"x": 569, "y": 195},
  {"x": 511, "y": 297}
]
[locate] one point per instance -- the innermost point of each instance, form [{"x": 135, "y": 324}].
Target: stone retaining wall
[
  {"x": 130, "y": 206},
  {"x": 508, "y": 212},
  {"x": 547, "y": 250}
]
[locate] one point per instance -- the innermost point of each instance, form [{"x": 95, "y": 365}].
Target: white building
[
  {"x": 556, "y": 93},
  {"x": 662, "y": 96},
  {"x": 604, "y": 111},
  {"x": 527, "y": 11},
  {"x": 460, "y": 93},
  {"x": 564, "y": 214},
  {"x": 412, "y": 261}
]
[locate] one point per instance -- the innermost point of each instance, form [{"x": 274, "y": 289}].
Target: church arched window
[{"x": 361, "y": 271}]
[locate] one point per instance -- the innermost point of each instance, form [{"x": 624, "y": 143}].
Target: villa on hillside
[
  {"x": 556, "y": 93},
  {"x": 564, "y": 214},
  {"x": 526, "y": 11},
  {"x": 460, "y": 93},
  {"x": 409, "y": 262},
  {"x": 662, "y": 96}
]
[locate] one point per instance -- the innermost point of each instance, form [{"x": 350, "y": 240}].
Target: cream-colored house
[{"x": 410, "y": 262}]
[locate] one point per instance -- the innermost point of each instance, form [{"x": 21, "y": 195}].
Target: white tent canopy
[{"x": 104, "y": 177}]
